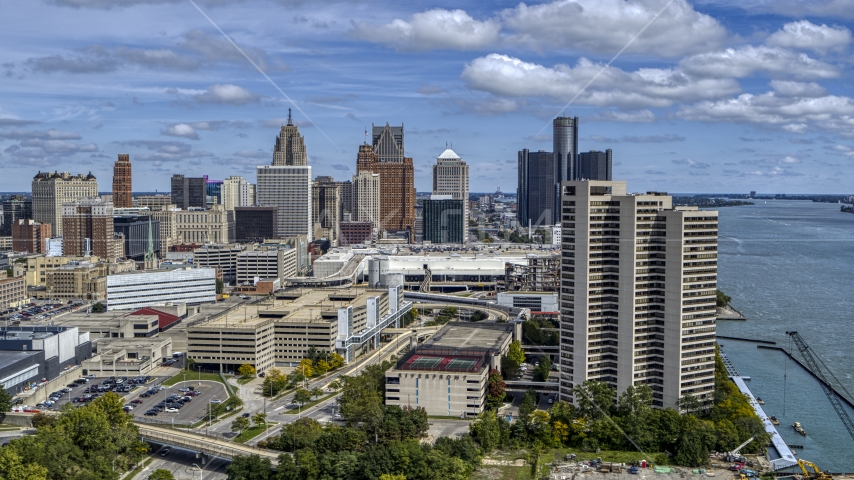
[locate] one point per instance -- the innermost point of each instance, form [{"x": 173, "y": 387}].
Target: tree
[
  {"x": 322, "y": 367},
  {"x": 336, "y": 361},
  {"x": 252, "y": 467},
  {"x": 391, "y": 476},
  {"x": 274, "y": 382},
  {"x": 528, "y": 404},
  {"x": 246, "y": 370},
  {"x": 313, "y": 354},
  {"x": 542, "y": 371},
  {"x": 495, "y": 390},
  {"x": 13, "y": 468},
  {"x": 486, "y": 430},
  {"x": 594, "y": 399},
  {"x": 5, "y": 402},
  {"x": 515, "y": 352},
  {"x": 302, "y": 396},
  {"x": 723, "y": 299},
  {"x": 161, "y": 474},
  {"x": 509, "y": 368},
  {"x": 259, "y": 418},
  {"x": 316, "y": 393},
  {"x": 239, "y": 424},
  {"x": 219, "y": 286},
  {"x": 99, "y": 308},
  {"x": 689, "y": 404},
  {"x": 306, "y": 367}
]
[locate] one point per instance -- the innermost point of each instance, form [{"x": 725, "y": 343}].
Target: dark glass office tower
[
  {"x": 565, "y": 141},
  {"x": 536, "y": 189},
  {"x": 595, "y": 165}
]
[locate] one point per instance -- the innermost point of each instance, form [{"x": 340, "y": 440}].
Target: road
[{"x": 183, "y": 464}]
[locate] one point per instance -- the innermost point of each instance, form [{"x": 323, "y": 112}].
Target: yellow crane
[{"x": 817, "y": 473}]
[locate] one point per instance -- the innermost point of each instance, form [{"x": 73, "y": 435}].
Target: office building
[
  {"x": 30, "y": 236},
  {"x": 189, "y": 192},
  {"x": 447, "y": 375},
  {"x": 443, "y": 219},
  {"x": 638, "y": 284},
  {"x": 122, "y": 182},
  {"x": 266, "y": 263},
  {"x": 198, "y": 225},
  {"x": 397, "y": 188},
  {"x": 76, "y": 280},
  {"x": 237, "y": 192},
  {"x": 540, "y": 303},
  {"x": 290, "y": 146},
  {"x": 145, "y": 288},
  {"x": 565, "y": 150},
  {"x": 535, "y": 191},
  {"x": 288, "y": 188},
  {"x": 255, "y": 224},
  {"x": 366, "y": 191},
  {"x": 326, "y": 208},
  {"x": 149, "y": 201},
  {"x": 6, "y": 244},
  {"x": 52, "y": 190},
  {"x": 595, "y": 165},
  {"x": 346, "y": 189},
  {"x": 87, "y": 227},
  {"x": 135, "y": 229},
  {"x": 221, "y": 257},
  {"x": 213, "y": 191},
  {"x": 451, "y": 177},
  {"x": 356, "y": 233},
  {"x": 13, "y": 291},
  {"x": 14, "y": 208}
]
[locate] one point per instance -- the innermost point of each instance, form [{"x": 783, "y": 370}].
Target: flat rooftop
[
  {"x": 467, "y": 336},
  {"x": 308, "y": 305},
  {"x": 8, "y": 357},
  {"x": 443, "y": 363}
]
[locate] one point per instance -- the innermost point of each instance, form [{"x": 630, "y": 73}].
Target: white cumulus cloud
[
  {"x": 227, "y": 94},
  {"x": 180, "y": 130},
  {"x": 433, "y": 29},
  {"x": 805, "y": 35},
  {"x": 749, "y": 60}
]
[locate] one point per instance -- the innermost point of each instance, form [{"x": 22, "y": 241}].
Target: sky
[{"x": 705, "y": 96}]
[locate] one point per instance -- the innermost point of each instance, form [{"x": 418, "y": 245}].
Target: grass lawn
[
  {"x": 502, "y": 472},
  {"x": 252, "y": 432},
  {"x": 191, "y": 375},
  {"x": 138, "y": 469},
  {"x": 245, "y": 380},
  {"x": 295, "y": 411}
]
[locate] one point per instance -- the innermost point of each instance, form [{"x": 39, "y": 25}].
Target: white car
[{"x": 171, "y": 410}]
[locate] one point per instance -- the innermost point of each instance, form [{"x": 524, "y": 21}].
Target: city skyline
[{"x": 756, "y": 96}]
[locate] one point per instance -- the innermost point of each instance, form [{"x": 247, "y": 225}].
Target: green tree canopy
[
  {"x": 543, "y": 370},
  {"x": 13, "y": 468},
  {"x": 495, "y": 390},
  {"x": 246, "y": 370},
  {"x": 515, "y": 353},
  {"x": 161, "y": 474},
  {"x": 239, "y": 424}
]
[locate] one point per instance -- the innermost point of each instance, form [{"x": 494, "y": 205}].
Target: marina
[{"x": 786, "y": 458}]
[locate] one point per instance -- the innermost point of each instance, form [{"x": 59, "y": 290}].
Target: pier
[
  {"x": 753, "y": 340},
  {"x": 831, "y": 387},
  {"x": 787, "y": 458}
]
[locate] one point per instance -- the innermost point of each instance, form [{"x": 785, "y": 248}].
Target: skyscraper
[
  {"x": 397, "y": 179},
  {"x": 87, "y": 228},
  {"x": 289, "y": 189},
  {"x": 643, "y": 314},
  {"x": 595, "y": 165},
  {"x": 189, "y": 192},
  {"x": 451, "y": 177},
  {"x": 122, "y": 182},
  {"x": 15, "y": 208},
  {"x": 326, "y": 207},
  {"x": 565, "y": 149},
  {"x": 51, "y": 190},
  {"x": 30, "y": 236},
  {"x": 366, "y": 197},
  {"x": 237, "y": 192},
  {"x": 444, "y": 219},
  {"x": 535, "y": 190},
  {"x": 290, "y": 146}
]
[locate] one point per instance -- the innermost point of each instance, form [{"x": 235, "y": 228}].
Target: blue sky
[{"x": 712, "y": 96}]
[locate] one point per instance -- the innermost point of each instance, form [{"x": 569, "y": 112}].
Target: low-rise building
[
  {"x": 111, "y": 324},
  {"x": 76, "y": 280},
  {"x": 150, "y": 288},
  {"x": 223, "y": 257},
  {"x": 198, "y": 225},
  {"x": 30, "y": 236},
  {"x": 540, "y": 303},
  {"x": 13, "y": 291},
  {"x": 232, "y": 340},
  {"x": 127, "y": 356},
  {"x": 55, "y": 349},
  {"x": 274, "y": 262},
  {"x": 447, "y": 375}
]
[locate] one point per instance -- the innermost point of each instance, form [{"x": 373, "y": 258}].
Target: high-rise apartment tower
[
  {"x": 51, "y": 190},
  {"x": 122, "y": 182},
  {"x": 87, "y": 229},
  {"x": 638, "y": 292}
]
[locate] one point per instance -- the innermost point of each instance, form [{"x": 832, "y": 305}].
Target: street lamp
[{"x": 200, "y": 470}]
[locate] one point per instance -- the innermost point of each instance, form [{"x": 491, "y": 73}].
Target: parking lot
[
  {"x": 190, "y": 412},
  {"x": 82, "y": 393},
  {"x": 39, "y": 311}
]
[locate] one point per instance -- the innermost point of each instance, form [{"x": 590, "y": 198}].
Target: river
[{"x": 789, "y": 265}]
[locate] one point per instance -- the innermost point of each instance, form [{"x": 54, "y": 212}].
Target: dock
[
  {"x": 799, "y": 362},
  {"x": 787, "y": 458},
  {"x": 729, "y": 313}
]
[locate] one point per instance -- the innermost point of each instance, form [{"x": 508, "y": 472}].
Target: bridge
[
  {"x": 540, "y": 387},
  {"x": 344, "y": 277},
  {"x": 435, "y": 298},
  {"x": 207, "y": 445}
]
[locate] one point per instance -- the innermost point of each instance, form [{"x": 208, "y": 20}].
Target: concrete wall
[{"x": 39, "y": 395}]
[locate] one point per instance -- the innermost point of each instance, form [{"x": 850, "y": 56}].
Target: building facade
[
  {"x": 15, "y": 208},
  {"x": 535, "y": 190},
  {"x": 237, "y": 192},
  {"x": 189, "y": 192},
  {"x": 638, "y": 284},
  {"x": 198, "y": 225},
  {"x": 366, "y": 198},
  {"x": 221, "y": 257},
  {"x": 288, "y": 188},
  {"x": 147, "y": 288},
  {"x": 451, "y": 177},
  {"x": 290, "y": 146},
  {"x": 122, "y": 182},
  {"x": 13, "y": 291},
  {"x": 135, "y": 230},
  {"x": 87, "y": 226},
  {"x": 52, "y": 190},
  {"x": 443, "y": 219},
  {"x": 326, "y": 208},
  {"x": 397, "y": 179},
  {"x": 595, "y": 165},
  {"x": 266, "y": 263},
  {"x": 30, "y": 236},
  {"x": 76, "y": 280},
  {"x": 346, "y": 189},
  {"x": 255, "y": 224},
  {"x": 355, "y": 233}
]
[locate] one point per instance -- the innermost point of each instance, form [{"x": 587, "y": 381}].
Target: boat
[
  {"x": 760, "y": 401},
  {"x": 774, "y": 420},
  {"x": 799, "y": 428}
]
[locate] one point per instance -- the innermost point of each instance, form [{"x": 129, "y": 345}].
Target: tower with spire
[
  {"x": 290, "y": 146},
  {"x": 150, "y": 259}
]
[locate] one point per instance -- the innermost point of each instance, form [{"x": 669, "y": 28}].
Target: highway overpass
[{"x": 207, "y": 445}]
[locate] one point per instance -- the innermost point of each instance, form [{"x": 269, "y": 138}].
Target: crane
[
  {"x": 812, "y": 364},
  {"x": 817, "y": 473},
  {"x": 735, "y": 455}
]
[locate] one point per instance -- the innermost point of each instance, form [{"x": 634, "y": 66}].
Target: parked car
[
  {"x": 216, "y": 401},
  {"x": 151, "y": 413},
  {"x": 171, "y": 410}
]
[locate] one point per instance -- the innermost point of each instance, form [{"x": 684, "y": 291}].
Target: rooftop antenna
[
  {"x": 366, "y": 135},
  {"x": 290, "y": 120}
]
